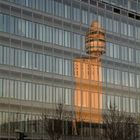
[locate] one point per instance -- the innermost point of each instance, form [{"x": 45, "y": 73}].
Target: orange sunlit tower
[{"x": 88, "y": 77}]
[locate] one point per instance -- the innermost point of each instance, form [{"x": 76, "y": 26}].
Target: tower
[
  {"x": 95, "y": 40},
  {"x": 88, "y": 76}
]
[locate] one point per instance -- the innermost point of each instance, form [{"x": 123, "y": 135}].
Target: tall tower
[{"x": 88, "y": 77}]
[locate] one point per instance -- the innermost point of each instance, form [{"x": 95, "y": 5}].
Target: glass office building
[{"x": 40, "y": 40}]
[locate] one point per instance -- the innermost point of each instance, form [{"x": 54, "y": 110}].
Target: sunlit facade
[{"x": 44, "y": 55}]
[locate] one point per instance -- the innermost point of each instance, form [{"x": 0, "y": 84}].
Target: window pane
[
  {"x": 1, "y": 87},
  {"x": 1, "y": 22}
]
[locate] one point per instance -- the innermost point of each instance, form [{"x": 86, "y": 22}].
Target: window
[
  {"x": 1, "y": 22},
  {"x": 127, "y": 104},
  {"x": 48, "y": 35},
  {"x": 76, "y": 12},
  {"x": 33, "y": 92},
  {"x": 110, "y": 101},
  {"x": 12, "y": 54},
  {"x": 1, "y": 87},
  {"x": 118, "y": 102},
  {"x": 29, "y": 91},
  {"x": 37, "y": 4},
  {"x": 23, "y": 58},
  {"x": 17, "y": 58},
  {"x": 42, "y": 5},
  {"x": 116, "y": 51},
  {"x": 6, "y": 23},
  {"x": 131, "y": 54},
  {"x": 60, "y": 37},
  {"x": 28, "y": 3},
  {"x": 101, "y": 20},
  {"x": 76, "y": 41},
  {"x": 43, "y": 63},
  {"x": 85, "y": 99},
  {"x": 107, "y": 49},
  {"x": 124, "y": 28},
  {"x": 23, "y": 30},
  {"x": 11, "y": 89},
  {"x": 27, "y": 29},
  {"x": 125, "y": 3},
  {"x": 49, "y": 6},
  {"x": 5, "y": 88},
  {"x": 40, "y": 64},
  {"x": 111, "y": 49},
  {"x": 125, "y": 78},
  {"x": 78, "y": 98},
  {"x": 104, "y": 74},
  {"x": 58, "y": 8},
  {"x": 117, "y": 78},
  {"x": 137, "y": 56},
  {"x": 40, "y": 37},
  {"x": 109, "y": 24},
  {"x": 48, "y": 63},
  {"x": 26, "y": 59},
  {"x": 132, "y": 79},
  {"x": 67, "y": 10},
  {"x": 12, "y": 25},
  {"x": 67, "y": 39},
  {"x": 93, "y": 16},
  {"x": 60, "y": 68},
  {"x": 88, "y": 71},
  {"x": 56, "y": 67},
  {"x": 116, "y": 26},
  {"x": 37, "y": 31},
  {"x": 132, "y": 105},
  {"x": 19, "y": 27},
  {"x": 6, "y": 56},
  {"x": 29, "y": 59},
  {"x": 18, "y": 89},
  {"x": 124, "y": 53},
  {"x": 49, "y": 94},
  {"x": 68, "y": 96},
  {"x": 22, "y": 2},
  {"x": 38, "y": 92},
  {"x": 67, "y": 67},
  {"x": 1, "y": 54},
  {"x": 137, "y": 32},
  {"x": 138, "y": 104},
  {"x": 84, "y": 16},
  {"x": 43, "y": 33},
  {"x": 43, "y": 93},
  {"x": 55, "y": 36},
  {"x": 58, "y": 95},
  {"x": 110, "y": 76},
  {"x": 22, "y": 90},
  {"x": 130, "y": 30},
  {"x": 104, "y": 101},
  {"x": 133, "y": 5},
  {"x": 82, "y": 42},
  {"x": 138, "y": 81}
]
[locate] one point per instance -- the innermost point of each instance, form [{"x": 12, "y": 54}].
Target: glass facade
[{"x": 40, "y": 41}]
